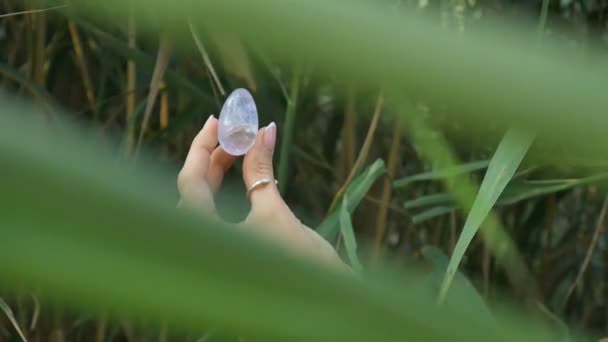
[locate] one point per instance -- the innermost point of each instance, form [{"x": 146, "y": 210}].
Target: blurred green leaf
[
  {"x": 510, "y": 82},
  {"x": 502, "y": 167},
  {"x": 96, "y": 234}
]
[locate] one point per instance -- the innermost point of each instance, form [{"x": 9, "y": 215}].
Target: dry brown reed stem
[
  {"x": 362, "y": 153},
  {"x": 13, "y": 14},
  {"x": 81, "y": 63},
  {"x": 131, "y": 78},
  {"x": 100, "y": 332},
  {"x": 360, "y": 160},
  {"x": 162, "y": 61},
  {"x": 599, "y": 229},
  {"x": 40, "y": 49},
  {"x": 164, "y": 115},
  {"x": 387, "y": 187},
  {"x": 349, "y": 137}
]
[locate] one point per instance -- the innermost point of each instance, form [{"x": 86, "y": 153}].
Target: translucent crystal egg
[{"x": 238, "y": 123}]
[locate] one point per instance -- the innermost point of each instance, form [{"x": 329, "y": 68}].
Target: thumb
[{"x": 257, "y": 166}]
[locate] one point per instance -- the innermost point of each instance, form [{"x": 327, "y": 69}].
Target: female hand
[{"x": 202, "y": 174}]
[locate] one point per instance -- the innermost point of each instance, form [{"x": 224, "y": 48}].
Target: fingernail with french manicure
[
  {"x": 208, "y": 119},
  {"x": 270, "y": 136}
]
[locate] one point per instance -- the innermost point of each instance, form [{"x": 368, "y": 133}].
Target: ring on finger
[{"x": 260, "y": 183}]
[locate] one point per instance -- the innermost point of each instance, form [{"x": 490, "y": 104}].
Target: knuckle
[{"x": 263, "y": 169}]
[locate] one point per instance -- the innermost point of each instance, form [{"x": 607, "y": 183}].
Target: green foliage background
[{"x": 388, "y": 114}]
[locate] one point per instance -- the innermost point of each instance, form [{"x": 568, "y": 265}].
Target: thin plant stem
[
  {"x": 599, "y": 228},
  {"x": 206, "y": 59},
  {"x": 542, "y": 20},
  {"x": 387, "y": 187},
  {"x": 362, "y": 154},
  {"x": 162, "y": 61},
  {"x": 82, "y": 64},
  {"x": 290, "y": 116},
  {"x": 13, "y": 14},
  {"x": 131, "y": 79}
]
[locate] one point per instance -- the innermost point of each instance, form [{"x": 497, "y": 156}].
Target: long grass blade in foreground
[
  {"x": 504, "y": 163},
  {"x": 462, "y": 286},
  {"x": 434, "y": 148},
  {"x": 106, "y": 237}
]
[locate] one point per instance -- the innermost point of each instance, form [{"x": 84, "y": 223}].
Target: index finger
[{"x": 197, "y": 161}]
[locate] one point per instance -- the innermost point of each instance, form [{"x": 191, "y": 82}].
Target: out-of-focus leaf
[
  {"x": 96, "y": 222},
  {"x": 348, "y": 234},
  {"x": 557, "y": 322},
  {"x": 504, "y": 163},
  {"x": 355, "y": 192}
]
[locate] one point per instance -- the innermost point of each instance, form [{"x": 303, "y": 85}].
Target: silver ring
[{"x": 259, "y": 183}]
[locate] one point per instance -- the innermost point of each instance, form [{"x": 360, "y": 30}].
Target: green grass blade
[
  {"x": 504, "y": 163},
  {"x": 355, "y": 192},
  {"x": 520, "y": 191},
  {"x": 432, "y": 213},
  {"x": 348, "y": 234},
  {"x": 428, "y": 200},
  {"x": 206, "y": 59},
  {"x": 443, "y": 173},
  {"x": 516, "y": 191},
  {"x": 9, "y": 314},
  {"x": 463, "y": 288}
]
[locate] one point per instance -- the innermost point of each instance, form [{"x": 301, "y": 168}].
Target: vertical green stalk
[
  {"x": 290, "y": 116},
  {"x": 542, "y": 20}
]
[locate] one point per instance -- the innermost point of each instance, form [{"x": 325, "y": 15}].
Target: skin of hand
[{"x": 202, "y": 175}]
